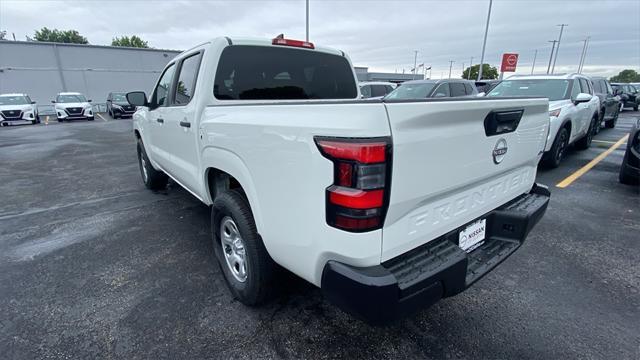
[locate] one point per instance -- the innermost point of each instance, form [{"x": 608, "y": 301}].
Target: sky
[{"x": 381, "y": 35}]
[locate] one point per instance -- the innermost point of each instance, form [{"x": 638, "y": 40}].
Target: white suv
[
  {"x": 73, "y": 106},
  {"x": 18, "y": 109},
  {"x": 573, "y": 109}
]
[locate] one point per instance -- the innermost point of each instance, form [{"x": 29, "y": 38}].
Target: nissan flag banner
[{"x": 509, "y": 62}]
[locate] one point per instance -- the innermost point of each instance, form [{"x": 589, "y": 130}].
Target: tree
[
  {"x": 3, "y": 34},
  {"x": 488, "y": 72},
  {"x": 60, "y": 36},
  {"x": 132, "y": 41},
  {"x": 626, "y": 76}
]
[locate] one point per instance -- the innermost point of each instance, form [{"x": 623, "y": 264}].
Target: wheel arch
[{"x": 226, "y": 170}]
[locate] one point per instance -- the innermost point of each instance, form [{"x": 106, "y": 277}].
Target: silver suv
[{"x": 573, "y": 109}]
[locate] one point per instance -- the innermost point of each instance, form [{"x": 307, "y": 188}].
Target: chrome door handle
[
  {"x": 160, "y": 120},
  {"x": 185, "y": 124}
]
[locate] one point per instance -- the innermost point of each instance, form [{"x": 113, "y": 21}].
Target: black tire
[
  {"x": 33, "y": 122},
  {"x": 60, "y": 120},
  {"x": 610, "y": 124},
  {"x": 91, "y": 118},
  {"x": 38, "y": 118},
  {"x": 260, "y": 269},
  {"x": 635, "y": 108},
  {"x": 624, "y": 177},
  {"x": 585, "y": 142},
  {"x": 152, "y": 178},
  {"x": 554, "y": 156}
]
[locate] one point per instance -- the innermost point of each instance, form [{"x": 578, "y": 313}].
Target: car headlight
[{"x": 554, "y": 113}]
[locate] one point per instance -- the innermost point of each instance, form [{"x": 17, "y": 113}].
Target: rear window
[{"x": 278, "y": 73}]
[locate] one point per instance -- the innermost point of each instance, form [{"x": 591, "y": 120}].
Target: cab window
[
  {"x": 186, "y": 83},
  {"x": 161, "y": 92},
  {"x": 441, "y": 91},
  {"x": 366, "y": 91},
  {"x": 457, "y": 89}
]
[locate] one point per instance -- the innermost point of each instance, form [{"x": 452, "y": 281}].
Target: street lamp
[{"x": 484, "y": 43}]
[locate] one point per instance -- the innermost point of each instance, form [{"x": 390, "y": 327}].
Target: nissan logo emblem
[{"x": 499, "y": 151}]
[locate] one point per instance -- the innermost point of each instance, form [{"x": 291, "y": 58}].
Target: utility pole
[
  {"x": 463, "y": 70},
  {"x": 450, "y": 66},
  {"x": 584, "y": 54},
  {"x": 415, "y": 63},
  {"x": 307, "y": 21},
  {"x": 553, "y": 68},
  {"x": 535, "y": 55},
  {"x": 484, "y": 43},
  {"x": 553, "y": 47},
  {"x": 469, "y": 72}
]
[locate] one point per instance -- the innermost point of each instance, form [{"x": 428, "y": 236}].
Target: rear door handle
[
  {"x": 185, "y": 124},
  {"x": 160, "y": 120}
]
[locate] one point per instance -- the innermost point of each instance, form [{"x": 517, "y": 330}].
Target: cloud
[{"x": 380, "y": 34}]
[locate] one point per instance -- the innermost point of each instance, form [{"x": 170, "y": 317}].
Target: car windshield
[
  {"x": 411, "y": 91},
  {"x": 13, "y": 100},
  {"x": 70, "y": 99},
  {"x": 553, "y": 89},
  {"x": 119, "y": 97}
]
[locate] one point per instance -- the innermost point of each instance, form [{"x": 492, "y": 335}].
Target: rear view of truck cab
[{"x": 387, "y": 205}]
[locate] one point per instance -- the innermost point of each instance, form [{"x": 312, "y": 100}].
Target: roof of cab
[
  {"x": 13, "y": 94},
  {"x": 69, "y": 93},
  {"x": 546, "y": 76}
]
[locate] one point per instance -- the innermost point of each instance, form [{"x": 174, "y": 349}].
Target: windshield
[
  {"x": 553, "y": 89},
  {"x": 70, "y": 99},
  {"x": 412, "y": 91},
  {"x": 280, "y": 73},
  {"x": 119, "y": 97},
  {"x": 13, "y": 100}
]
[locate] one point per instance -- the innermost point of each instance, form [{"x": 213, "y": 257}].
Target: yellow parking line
[
  {"x": 101, "y": 117},
  {"x": 573, "y": 177}
]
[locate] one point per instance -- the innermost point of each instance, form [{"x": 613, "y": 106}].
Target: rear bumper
[{"x": 438, "y": 269}]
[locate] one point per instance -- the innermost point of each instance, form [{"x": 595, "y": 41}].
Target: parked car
[
  {"x": 484, "y": 86},
  {"x": 630, "y": 168},
  {"x": 629, "y": 96},
  {"x": 420, "y": 89},
  {"x": 609, "y": 102},
  {"x": 375, "y": 89},
  {"x": 18, "y": 109},
  {"x": 300, "y": 175},
  {"x": 573, "y": 110},
  {"x": 118, "y": 106},
  {"x": 72, "y": 106}
]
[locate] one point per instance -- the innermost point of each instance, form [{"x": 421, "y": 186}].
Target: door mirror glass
[
  {"x": 137, "y": 98},
  {"x": 33, "y": 102}
]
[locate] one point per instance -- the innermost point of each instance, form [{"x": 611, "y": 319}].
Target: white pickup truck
[{"x": 386, "y": 205}]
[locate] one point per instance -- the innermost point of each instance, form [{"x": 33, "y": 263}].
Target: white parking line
[{"x": 100, "y": 116}]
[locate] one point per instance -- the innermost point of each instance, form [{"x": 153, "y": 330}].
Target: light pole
[
  {"x": 450, "y": 66},
  {"x": 583, "y": 56},
  {"x": 307, "y": 20},
  {"x": 415, "y": 63},
  {"x": 553, "y": 47},
  {"x": 484, "y": 43},
  {"x": 553, "y": 68},
  {"x": 535, "y": 55},
  {"x": 469, "y": 72}
]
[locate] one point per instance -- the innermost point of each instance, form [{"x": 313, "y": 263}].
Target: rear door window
[
  {"x": 187, "y": 79},
  {"x": 378, "y": 90},
  {"x": 279, "y": 73},
  {"x": 441, "y": 91},
  {"x": 457, "y": 89},
  {"x": 468, "y": 88},
  {"x": 597, "y": 85}
]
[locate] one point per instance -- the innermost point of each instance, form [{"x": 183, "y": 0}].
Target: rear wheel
[
  {"x": 635, "y": 108},
  {"x": 610, "y": 124},
  {"x": 152, "y": 178},
  {"x": 91, "y": 118},
  {"x": 248, "y": 269},
  {"x": 585, "y": 142},
  {"x": 553, "y": 158}
]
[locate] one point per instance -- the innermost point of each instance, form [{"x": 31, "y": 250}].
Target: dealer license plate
[{"x": 473, "y": 235}]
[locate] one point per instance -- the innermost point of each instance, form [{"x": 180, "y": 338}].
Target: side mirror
[
  {"x": 53, "y": 101},
  {"x": 89, "y": 100},
  {"x": 33, "y": 102},
  {"x": 137, "y": 98},
  {"x": 582, "y": 98}
]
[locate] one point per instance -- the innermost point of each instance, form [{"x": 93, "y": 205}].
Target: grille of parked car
[
  {"x": 12, "y": 114},
  {"x": 74, "y": 110}
]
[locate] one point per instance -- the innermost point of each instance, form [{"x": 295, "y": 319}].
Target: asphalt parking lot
[{"x": 92, "y": 265}]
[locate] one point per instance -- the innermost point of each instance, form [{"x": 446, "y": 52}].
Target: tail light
[
  {"x": 291, "y": 42},
  {"x": 358, "y": 199}
]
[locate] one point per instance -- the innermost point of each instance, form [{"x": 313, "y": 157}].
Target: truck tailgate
[{"x": 452, "y": 163}]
